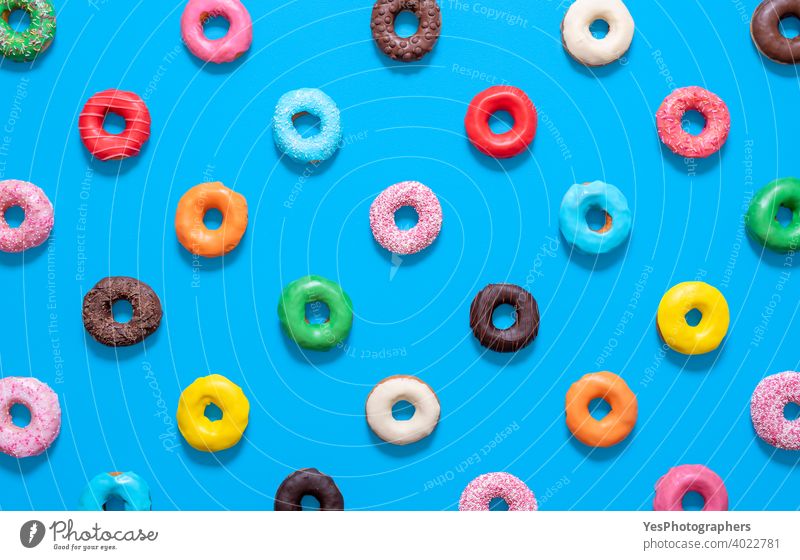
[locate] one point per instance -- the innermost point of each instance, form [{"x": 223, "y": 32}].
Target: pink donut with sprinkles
[
  {"x": 410, "y": 241},
  {"x": 481, "y": 491},
  {"x": 673, "y": 486},
  {"x": 769, "y": 399},
  {"x": 669, "y": 120},
  {"x": 38, "y": 222},
  {"x": 42, "y": 402},
  {"x": 226, "y": 49}
]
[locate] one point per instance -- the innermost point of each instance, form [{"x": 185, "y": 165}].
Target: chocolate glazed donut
[
  {"x": 765, "y": 29},
  {"x": 308, "y": 482},
  {"x": 98, "y": 316},
  {"x": 518, "y": 335},
  {"x": 406, "y": 49}
]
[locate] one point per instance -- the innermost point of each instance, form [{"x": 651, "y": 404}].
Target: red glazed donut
[
  {"x": 104, "y": 145},
  {"x": 501, "y": 98}
]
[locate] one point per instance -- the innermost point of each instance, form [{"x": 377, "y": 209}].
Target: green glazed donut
[
  {"x": 292, "y": 313},
  {"x": 761, "y": 216},
  {"x": 26, "y": 45}
]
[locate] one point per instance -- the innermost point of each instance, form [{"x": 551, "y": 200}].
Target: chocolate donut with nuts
[
  {"x": 406, "y": 49},
  {"x": 98, "y": 315}
]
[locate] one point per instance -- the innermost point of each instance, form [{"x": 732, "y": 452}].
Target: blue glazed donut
[
  {"x": 315, "y": 148},
  {"x": 127, "y": 486},
  {"x": 578, "y": 201}
]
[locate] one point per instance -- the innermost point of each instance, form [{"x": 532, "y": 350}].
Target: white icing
[
  {"x": 578, "y": 38},
  {"x": 389, "y": 392}
]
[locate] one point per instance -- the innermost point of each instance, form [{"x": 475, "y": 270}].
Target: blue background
[{"x": 402, "y": 122}]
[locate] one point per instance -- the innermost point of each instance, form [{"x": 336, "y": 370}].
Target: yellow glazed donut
[
  {"x": 200, "y": 432},
  {"x": 678, "y": 333}
]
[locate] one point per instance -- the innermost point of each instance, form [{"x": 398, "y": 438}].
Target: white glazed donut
[
  {"x": 578, "y": 38},
  {"x": 398, "y": 388}
]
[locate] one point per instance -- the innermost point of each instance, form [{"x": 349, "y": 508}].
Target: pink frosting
[
  {"x": 673, "y": 486},
  {"x": 769, "y": 399},
  {"x": 45, "y": 422},
  {"x": 384, "y": 228},
  {"x": 670, "y": 116},
  {"x": 486, "y": 487},
  {"x": 226, "y": 49},
  {"x": 38, "y": 222}
]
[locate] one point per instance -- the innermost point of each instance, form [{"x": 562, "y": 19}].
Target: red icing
[
  {"x": 104, "y": 145},
  {"x": 501, "y": 98}
]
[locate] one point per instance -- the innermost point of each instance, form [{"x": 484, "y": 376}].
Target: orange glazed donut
[
  {"x": 616, "y": 425},
  {"x": 192, "y": 207}
]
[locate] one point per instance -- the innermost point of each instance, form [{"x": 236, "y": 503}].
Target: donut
[
  {"x": 292, "y": 313},
  {"x": 45, "y": 424},
  {"x": 517, "y": 336},
  {"x": 766, "y": 32},
  {"x": 391, "y": 391},
  {"x": 200, "y": 432},
  {"x": 481, "y": 491},
  {"x": 769, "y": 399},
  {"x": 669, "y": 120},
  {"x": 575, "y": 206},
  {"x": 673, "y": 486},
  {"x": 308, "y": 482},
  {"x": 193, "y": 233},
  {"x": 577, "y": 37},
  {"x": 383, "y": 225},
  {"x": 761, "y": 218},
  {"x": 678, "y": 333},
  {"x": 98, "y": 315},
  {"x": 501, "y": 98},
  {"x": 126, "y": 486},
  {"x": 24, "y": 46},
  {"x": 38, "y": 222},
  {"x": 321, "y": 145},
  {"x": 616, "y": 425},
  {"x": 236, "y": 41},
  {"x": 406, "y": 49},
  {"x": 103, "y": 144}
]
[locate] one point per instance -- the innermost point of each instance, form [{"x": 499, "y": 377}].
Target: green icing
[
  {"x": 26, "y": 45},
  {"x": 292, "y": 313},
  {"x": 761, "y": 216}
]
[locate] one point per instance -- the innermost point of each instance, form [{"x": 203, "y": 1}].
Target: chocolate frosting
[
  {"x": 406, "y": 49},
  {"x": 518, "y": 335},
  {"x": 765, "y": 29},
  {"x": 308, "y": 482},
  {"x": 98, "y": 316}
]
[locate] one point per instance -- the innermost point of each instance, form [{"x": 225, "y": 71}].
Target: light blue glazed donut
[
  {"x": 315, "y": 148},
  {"x": 578, "y": 201},
  {"x": 126, "y": 486}
]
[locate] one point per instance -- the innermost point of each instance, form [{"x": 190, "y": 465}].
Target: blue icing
[
  {"x": 577, "y": 203},
  {"x": 322, "y": 145},
  {"x": 127, "y": 486}
]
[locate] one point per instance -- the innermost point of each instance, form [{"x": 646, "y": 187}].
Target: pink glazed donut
[
  {"x": 769, "y": 399},
  {"x": 226, "y": 49},
  {"x": 45, "y": 422},
  {"x": 670, "y": 116},
  {"x": 38, "y": 222},
  {"x": 384, "y": 228},
  {"x": 673, "y": 486},
  {"x": 481, "y": 491}
]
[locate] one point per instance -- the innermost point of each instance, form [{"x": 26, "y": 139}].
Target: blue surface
[{"x": 401, "y": 122}]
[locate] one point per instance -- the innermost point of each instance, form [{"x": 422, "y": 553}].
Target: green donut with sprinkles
[
  {"x": 292, "y": 313},
  {"x": 762, "y": 215},
  {"x": 23, "y": 46}
]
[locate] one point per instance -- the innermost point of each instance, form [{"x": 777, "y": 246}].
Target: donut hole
[
  {"x": 406, "y": 24},
  {"x": 789, "y": 26},
  {"x": 693, "y": 122},
  {"x": 213, "y": 412},
  {"x": 692, "y": 501},
  {"x": 14, "y": 216},
  {"x": 784, "y": 216},
  {"x": 501, "y": 122},
  {"x": 599, "y": 408},
  {"x": 403, "y": 411},
  {"x": 309, "y": 503},
  {"x": 317, "y": 312},
  {"x": 114, "y": 503},
  {"x": 598, "y": 219},
  {"x": 504, "y": 316},
  {"x": 306, "y": 124},
  {"x": 18, "y": 20},
  {"x": 498, "y": 504},
  {"x": 122, "y": 310},
  {"x": 215, "y": 27},
  {"x": 693, "y": 317},
  {"x": 114, "y": 123},
  {"x": 20, "y": 415},
  {"x": 212, "y": 219},
  {"x": 406, "y": 217},
  {"x": 599, "y": 29},
  {"x": 791, "y": 411}
]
